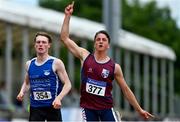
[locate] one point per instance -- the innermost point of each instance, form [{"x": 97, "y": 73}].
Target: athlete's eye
[
  {"x": 98, "y": 39},
  {"x": 104, "y": 39}
]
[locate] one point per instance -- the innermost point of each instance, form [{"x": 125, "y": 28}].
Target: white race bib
[
  {"x": 95, "y": 88},
  {"x": 42, "y": 95}
]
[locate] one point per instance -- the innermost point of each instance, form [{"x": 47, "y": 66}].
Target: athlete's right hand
[
  {"x": 69, "y": 9},
  {"x": 20, "y": 96}
]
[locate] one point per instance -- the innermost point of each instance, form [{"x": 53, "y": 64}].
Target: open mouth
[
  {"x": 100, "y": 45},
  {"x": 40, "y": 49}
]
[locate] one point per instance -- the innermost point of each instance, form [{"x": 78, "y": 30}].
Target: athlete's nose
[{"x": 101, "y": 40}]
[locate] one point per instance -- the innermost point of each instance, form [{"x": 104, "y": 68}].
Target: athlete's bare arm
[
  {"x": 25, "y": 85},
  {"x": 77, "y": 51},
  {"x": 128, "y": 93},
  {"x": 61, "y": 71}
]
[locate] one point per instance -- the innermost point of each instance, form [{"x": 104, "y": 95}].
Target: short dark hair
[
  {"x": 43, "y": 34},
  {"x": 103, "y": 32}
]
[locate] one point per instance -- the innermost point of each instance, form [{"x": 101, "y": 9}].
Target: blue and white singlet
[{"x": 45, "y": 84}]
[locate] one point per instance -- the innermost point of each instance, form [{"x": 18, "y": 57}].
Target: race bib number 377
[
  {"x": 96, "y": 87},
  {"x": 45, "y": 95}
]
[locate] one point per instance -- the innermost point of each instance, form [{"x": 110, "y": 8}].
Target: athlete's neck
[
  {"x": 42, "y": 58},
  {"x": 101, "y": 56}
]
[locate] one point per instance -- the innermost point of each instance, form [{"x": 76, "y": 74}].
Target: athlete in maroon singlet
[
  {"x": 96, "y": 84},
  {"x": 97, "y": 74}
]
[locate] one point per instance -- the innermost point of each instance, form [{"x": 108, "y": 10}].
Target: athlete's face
[
  {"x": 42, "y": 44},
  {"x": 101, "y": 42}
]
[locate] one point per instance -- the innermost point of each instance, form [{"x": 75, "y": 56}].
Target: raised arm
[
  {"x": 129, "y": 94},
  {"x": 77, "y": 51}
]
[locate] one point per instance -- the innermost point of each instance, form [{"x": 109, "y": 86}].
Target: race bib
[
  {"x": 96, "y": 87},
  {"x": 42, "y": 95}
]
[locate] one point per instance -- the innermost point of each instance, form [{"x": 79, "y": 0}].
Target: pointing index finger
[{"x": 72, "y": 3}]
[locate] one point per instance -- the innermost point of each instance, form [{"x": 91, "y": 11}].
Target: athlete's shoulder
[
  {"x": 88, "y": 57},
  {"x": 51, "y": 57},
  {"x": 57, "y": 61},
  {"x": 118, "y": 69},
  {"x": 117, "y": 65},
  {"x": 29, "y": 62},
  {"x": 33, "y": 59}
]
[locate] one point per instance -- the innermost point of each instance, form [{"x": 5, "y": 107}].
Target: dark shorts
[
  {"x": 99, "y": 115},
  {"x": 45, "y": 113}
]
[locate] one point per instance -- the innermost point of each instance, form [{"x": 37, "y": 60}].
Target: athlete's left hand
[{"x": 56, "y": 103}]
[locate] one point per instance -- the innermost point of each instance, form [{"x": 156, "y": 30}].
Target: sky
[
  {"x": 174, "y": 6},
  {"x": 27, "y": 2}
]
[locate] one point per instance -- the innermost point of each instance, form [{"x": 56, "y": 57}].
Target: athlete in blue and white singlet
[
  {"x": 47, "y": 80},
  {"x": 44, "y": 82}
]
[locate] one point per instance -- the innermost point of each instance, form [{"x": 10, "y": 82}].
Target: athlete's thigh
[
  {"x": 36, "y": 114},
  {"x": 89, "y": 115},
  {"x": 108, "y": 115}
]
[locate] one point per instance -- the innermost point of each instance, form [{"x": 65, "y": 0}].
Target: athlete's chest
[
  {"x": 43, "y": 70},
  {"x": 98, "y": 71}
]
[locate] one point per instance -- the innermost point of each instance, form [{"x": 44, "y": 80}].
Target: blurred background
[{"x": 145, "y": 38}]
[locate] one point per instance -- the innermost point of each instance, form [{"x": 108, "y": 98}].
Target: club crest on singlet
[
  {"x": 105, "y": 73},
  {"x": 46, "y": 72},
  {"x": 90, "y": 70}
]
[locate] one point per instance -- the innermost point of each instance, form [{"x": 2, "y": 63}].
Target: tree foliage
[
  {"x": 143, "y": 19},
  {"x": 90, "y": 9},
  {"x": 154, "y": 23}
]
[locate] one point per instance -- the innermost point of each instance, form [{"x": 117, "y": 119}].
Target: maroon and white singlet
[{"x": 96, "y": 84}]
